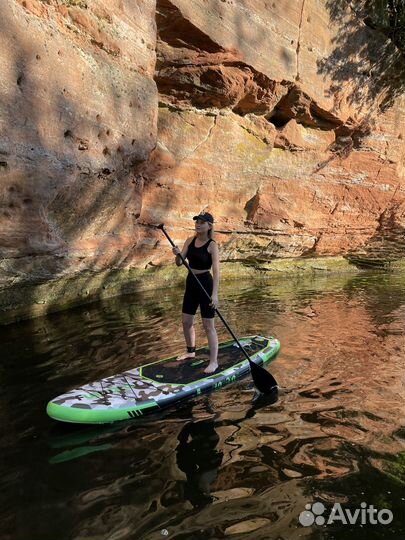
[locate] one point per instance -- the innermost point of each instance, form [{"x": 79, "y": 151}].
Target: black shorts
[{"x": 194, "y": 296}]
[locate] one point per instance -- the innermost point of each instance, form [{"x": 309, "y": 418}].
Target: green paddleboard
[{"x": 160, "y": 384}]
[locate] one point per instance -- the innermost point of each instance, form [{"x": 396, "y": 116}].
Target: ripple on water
[{"x": 220, "y": 466}]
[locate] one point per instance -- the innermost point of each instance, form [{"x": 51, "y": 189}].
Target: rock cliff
[
  {"x": 282, "y": 118},
  {"x": 285, "y": 119}
]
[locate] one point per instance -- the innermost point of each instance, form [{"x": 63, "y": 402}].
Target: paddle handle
[{"x": 162, "y": 228}]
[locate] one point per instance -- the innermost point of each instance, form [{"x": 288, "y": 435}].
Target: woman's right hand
[{"x": 176, "y": 251}]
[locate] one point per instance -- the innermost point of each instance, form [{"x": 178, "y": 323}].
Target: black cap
[{"x": 205, "y": 216}]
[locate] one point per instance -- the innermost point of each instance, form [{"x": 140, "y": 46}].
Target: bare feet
[
  {"x": 212, "y": 366},
  {"x": 186, "y": 355}
]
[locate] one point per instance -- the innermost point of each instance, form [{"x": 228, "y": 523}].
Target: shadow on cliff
[
  {"x": 58, "y": 196},
  {"x": 363, "y": 53}
]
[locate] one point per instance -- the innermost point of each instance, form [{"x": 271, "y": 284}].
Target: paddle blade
[{"x": 263, "y": 380}]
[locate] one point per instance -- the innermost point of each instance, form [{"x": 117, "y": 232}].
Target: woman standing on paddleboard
[{"x": 202, "y": 254}]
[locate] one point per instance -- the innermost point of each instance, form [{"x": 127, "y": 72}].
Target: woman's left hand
[{"x": 214, "y": 301}]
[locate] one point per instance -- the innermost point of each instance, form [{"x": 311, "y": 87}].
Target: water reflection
[
  {"x": 199, "y": 459},
  {"x": 219, "y": 467}
]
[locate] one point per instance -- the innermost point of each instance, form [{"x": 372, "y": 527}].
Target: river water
[{"x": 219, "y": 466}]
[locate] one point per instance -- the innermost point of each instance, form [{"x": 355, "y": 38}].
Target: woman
[{"x": 202, "y": 253}]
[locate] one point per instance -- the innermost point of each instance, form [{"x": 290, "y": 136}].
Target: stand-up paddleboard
[{"x": 160, "y": 384}]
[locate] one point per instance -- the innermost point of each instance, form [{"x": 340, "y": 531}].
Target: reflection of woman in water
[{"x": 199, "y": 459}]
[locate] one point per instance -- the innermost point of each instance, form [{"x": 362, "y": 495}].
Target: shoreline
[{"x": 29, "y": 301}]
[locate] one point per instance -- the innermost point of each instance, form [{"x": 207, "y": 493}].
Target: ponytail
[{"x": 211, "y": 232}]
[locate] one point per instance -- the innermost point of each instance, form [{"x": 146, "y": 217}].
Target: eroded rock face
[
  {"x": 78, "y": 115},
  {"x": 285, "y": 119},
  {"x": 271, "y": 118}
]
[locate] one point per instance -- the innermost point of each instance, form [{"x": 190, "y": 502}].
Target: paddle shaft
[{"x": 206, "y": 294}]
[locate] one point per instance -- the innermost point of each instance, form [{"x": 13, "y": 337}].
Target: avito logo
[{"x": 366, "y": 514}]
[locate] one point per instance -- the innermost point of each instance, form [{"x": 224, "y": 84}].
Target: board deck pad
[
  {"x": 188, "y": 370},
  {"x": 159, "y": 384}
]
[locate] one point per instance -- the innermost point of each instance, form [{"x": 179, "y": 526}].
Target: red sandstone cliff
[
  {"x": 285, "y": 119},
  {"x": 78, "y": 113}
]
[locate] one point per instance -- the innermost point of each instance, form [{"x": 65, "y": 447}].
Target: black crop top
[{"x": 199, "y": 258}]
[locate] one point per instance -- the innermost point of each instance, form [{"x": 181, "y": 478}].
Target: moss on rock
[{"x": 29, "y": 301}]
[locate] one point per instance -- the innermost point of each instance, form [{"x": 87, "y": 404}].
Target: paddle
[{"x": 262, "y": 379}]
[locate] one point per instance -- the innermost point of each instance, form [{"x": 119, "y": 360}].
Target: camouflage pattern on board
[{"x": 132, "y": 390}]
